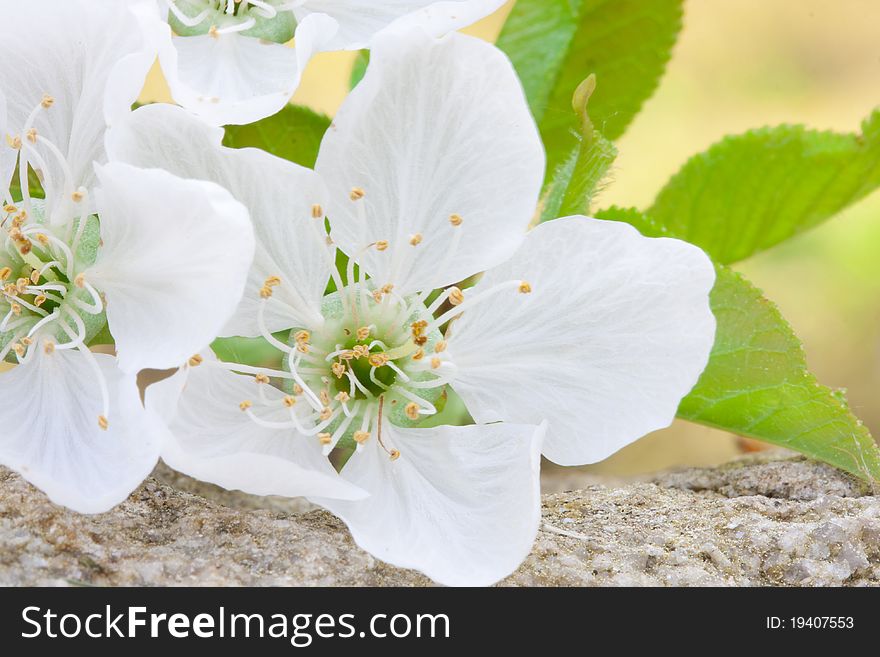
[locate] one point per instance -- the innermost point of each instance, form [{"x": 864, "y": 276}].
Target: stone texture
[{"x": 765, "y": 521}]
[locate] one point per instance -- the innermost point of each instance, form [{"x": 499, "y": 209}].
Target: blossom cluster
[{"x": 142, "y": 231}]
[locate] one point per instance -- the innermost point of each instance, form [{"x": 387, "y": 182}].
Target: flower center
[
  {"x": 46, "y": 302},
  {"x": 272, "y": 20},
  {"x": 371, "y": 356}
]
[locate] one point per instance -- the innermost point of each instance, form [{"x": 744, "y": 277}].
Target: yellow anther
[
  {"x": 80, "y": 280},
  {"x": 261, "y": 379},
  {"x": 412, "y": 411},
  {"x": 39, "y": 300},
  {"x": 43, "y": 239},
  {"x": 49, "y": 347},
  {"x": 289, "y": 401},
  {"x": 77, "y": 196},
  {"x": 394, "y": 454},
  {"x": 25, "y": 246},
  {"x": 213, "y": 32},
  {"x": 195, "y": 360},
  {"x": 421, "y": 341},
  {"x": 35, "y": 276},
  {"x": 357, "y": 193},
  {"x": 324, "y": 396},
  {"x": 377, "y": 296},
  {"x": 325, "y": 438},
  {"x": 21, "y": 284},
  {"x": 378, "y": 360},
  {"x": 381, "y": 245},
  {"x": 342, "y": 397},
  {"x": 455, "y": 219},
  {"x": 360, "y": 351},
  {"x": 103, "y": 423},
  {"x": 416, "y": 239},
  {"x": 363, "y": 333},
  {"x": 9, "y": 208},
  {"x": 47, "y": 101},
  {"x": 525, "y": 288},
  {"x": 302, "y": 347},
  {"x": 346, "y": 355},
  {"x": 265, "y": 292},
  {"x": 272, "y": 281},
  {"x": 360, "y": 437},
  {"x": 386, "y": 289},
  {"x": 317, "y": 211},
  {"x": 245, "y": 405},
  {"x": 27, "y": 342},
  {"x": 338, "y": 369},
  {"x": 325, "y": 413},
  {"x": 15, "y": 308},
  {"x": 5, "y": 273},
  {"x": 420, "y": 353},
  {"x": 440, "y": 347},
  {"x": 13, "y": 142},
  {"x": 436, "y": 362},
  {"x": 31, "y": 135},
  {"x": 302, "y": 337},
  {"x": 297, "y": 389},
  {"x": 456, "y": 296},
  {"x": 18, "y": 348}
]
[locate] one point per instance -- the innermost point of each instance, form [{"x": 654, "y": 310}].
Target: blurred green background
[{"x": 741, "y": 64}]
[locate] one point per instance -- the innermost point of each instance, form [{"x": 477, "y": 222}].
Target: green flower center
[{"x": 266, "y": 20}]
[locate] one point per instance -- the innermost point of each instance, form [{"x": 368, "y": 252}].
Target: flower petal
[
  {"x": 278, "y": 194},
  {"x": 236, "y": 79},
  {"x": 8, "y": 156},
  {"x": 616, "y": 331},
  {"x": 436, "y": 128},
  {"x": 461, "y": 504},
  {"x": 359, "y": 22},
  {"x": 49, "y": 410},
  {"x": 210, "y": 438},
  {"x": 92, "y": 57},
  {"x": 173, "y": 265}
]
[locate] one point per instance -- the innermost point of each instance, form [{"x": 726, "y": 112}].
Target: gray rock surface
[{"x": 765, "y": 521}]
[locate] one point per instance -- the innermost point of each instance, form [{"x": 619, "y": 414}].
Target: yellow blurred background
[{"x": 738, "y": 65}]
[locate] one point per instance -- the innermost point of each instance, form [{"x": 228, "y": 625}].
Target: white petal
[
  {"x": 278, "y": 194},
  {"x": 436, "y": 128},
  {"x": 210, "y": 438},
  {"x": 173, "y": 265},
  {"x": 49, "y": 410},
  {"x": 92, "y": 57},
  {"x": 616, "y": 331},
  {"x": 8, "y": 156},
  {"x": 461, "y": 504},
  {"x": 359, "y": 22},
  {"x": 236, "y": 79}
]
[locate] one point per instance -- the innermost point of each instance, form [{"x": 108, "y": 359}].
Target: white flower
[
  {"x": 580, "y": 329},
  {"x": 227, "y": 62},
  {"x": 110, "y": 244}
]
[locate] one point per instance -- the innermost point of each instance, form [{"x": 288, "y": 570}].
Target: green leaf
[
  {"x": 757, "y": 383},
  {"x": 294, "y": 133},
  {"x": 749, "y": 192},
  {"x": 359, "y": 68},
  {"x": 554, "y": 44},
  {"x": 573, "y": 184}
]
